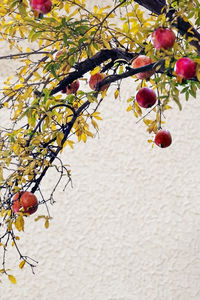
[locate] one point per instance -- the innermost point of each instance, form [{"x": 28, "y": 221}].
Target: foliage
[{"x": 43, "y": 120}]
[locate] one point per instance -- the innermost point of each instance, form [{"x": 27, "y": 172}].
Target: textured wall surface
[{"x": 130, "y": 227}]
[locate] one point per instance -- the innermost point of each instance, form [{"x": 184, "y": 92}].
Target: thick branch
[
  {"x": 90, "y": 63},
  {"x": 158, "y": 7},
  {"x": 154, "y": 6}
]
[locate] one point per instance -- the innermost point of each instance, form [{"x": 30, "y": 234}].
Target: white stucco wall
[{"x": 130, "y": 227}]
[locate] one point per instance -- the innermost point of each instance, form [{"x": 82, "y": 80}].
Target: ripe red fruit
[
  {"x": 146, "y": 97},
  {"x": 41, "y": 6},
  {"x": 142, "y": 61},
  {"x": 163, "y": 138},
  {"x": 71, "y": 88},
  {"x": 163, "y": 38},
  {"x": 25, "y": 200},
  {"x": 96, "y": 78},
  {"x": 185, "y": 68}
]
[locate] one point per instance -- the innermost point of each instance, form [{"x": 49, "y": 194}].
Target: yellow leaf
[
  {"x": 46, "y": 224},
  {"x": 19, "y": 223},
  {"x": 22, "y": 263},
  {"x": 17, "y": 113},
  {"x": 18, "y": 86},
  {"x": 116, "y": 95},
  {"x": 190, "y": 29},
  {"x": 89, "y": 133},
  {"x": 197, "y": 60},
  {"x": 167, "y": 107},
  {"x": 198, "y": 72},
  {"x": 137, "y": 108},
  {"x": 37, "y": 76},
  {"x": 106, "y": 44},
  {"x": 9, "y": 212},
  {"x": 129, "y": 108},
  {"x": 59, "y": 138},
  {"x": 93, "y": 49},
  {"x": 103, "y": 93},
  {"x": 3, "y": 11},
  {"x": 126, "y": 27},
  {"x": 2, "y": 212},
  {"x": 67, "y": 8},
  {"x": 95, "y": 70},
  {"x": 40, "y": 217},
  {"x": 91, "y": 98},
  {"x": 12, "y": 279},
  {"x": 30, "y": 177},
  {"x": 71, "y": 143},
  {"x": 84, "y": 137},
  {"x": 95, "y": 125},
  {"x": 96, "y": 113},
  {"x": 147, "y": 121},
  {"x": 97, "y": 117},
  {"x": 9, "y": 225}
]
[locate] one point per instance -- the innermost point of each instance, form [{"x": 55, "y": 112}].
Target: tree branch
[
  {"x": 90, "y": 63},
  {"x": 67, "y": 132}
]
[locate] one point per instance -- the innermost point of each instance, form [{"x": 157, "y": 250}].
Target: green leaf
[
  {"x": 176, "y": 99},
  {"x": 46, "y": 95},
  {"x": 184, "y": 90},
  {"x": 65, "y": 39},
  {"x": 22, "y": 9},
  {"x": 71, "y": 60},
  {"x": 36, "y": 35},
  {"x": 187, "y": 95}
]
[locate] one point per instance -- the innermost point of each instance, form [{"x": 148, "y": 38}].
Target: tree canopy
[{"x": 69, "y": 55}]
